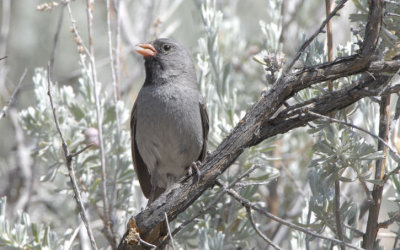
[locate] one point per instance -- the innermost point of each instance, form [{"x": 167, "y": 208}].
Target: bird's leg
[{"x": 195, "y": 167}]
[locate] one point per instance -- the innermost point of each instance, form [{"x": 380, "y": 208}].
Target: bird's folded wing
[{"x": 140, "y": 167}]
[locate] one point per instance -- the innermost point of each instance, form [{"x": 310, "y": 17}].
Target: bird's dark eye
[{"x": 166, "y": 47}]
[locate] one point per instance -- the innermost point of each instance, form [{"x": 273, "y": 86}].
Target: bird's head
[{"x": 166, "y": 59}]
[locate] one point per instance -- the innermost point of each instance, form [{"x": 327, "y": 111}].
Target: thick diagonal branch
[{"x": 257, "y": 125}]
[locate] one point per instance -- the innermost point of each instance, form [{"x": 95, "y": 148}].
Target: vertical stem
[
  {"x": 308, "y": 223},
  {"x": 70, "y": 167},
  {"x": 338, "y": 220},
  {"x": 56, "y": 39},
  {"x": 373, "y": 215},
  {"x": 5, "y": 26},
  {"x": 106, "y": 208},
  {"x": 117, "y": 48},
  {"x": 4, "y": 30},
  {"x": 329, "y": 39},
  {"x": 116, "y": 99}
]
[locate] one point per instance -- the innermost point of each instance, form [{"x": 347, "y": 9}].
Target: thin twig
[
  {"x": 247, "y": 203},
  {"x": 111, "y": 51},
  {"x": 264, "y": 237},
  {"x": 147, "y": 244},
  {"x": 81, "y": 150},
  {"x": 4, "y": 57},
  {"x": 71, "y": 171},
  {"x": 116, "y": 99},
  {"x": 117, "y": 4},
  {"x": 292, "y": 16},
  {"x": 106, "y": 204},
  {"x": 355, "y": 230},
  {"x": 392, "y": 14},
  {"x": 394, "y": 153},
  {"x": 56, "y": 39},
  {"x": 211, "y": 205},
  {"x": 5, "y": 25},
  {"x": 392, "y": 2},
  {"x": 169, "y": 231},
  {"x": 389, "y": 221},
  {"x": 294, "y": 181},
  {"x": 4, "y": 110},
  {"x": 393, "y": 172},
  {"x": 329, "y": 38},
  {"x": 24, "y": 164},
  {"x": 313, "y": 36},
  {"x": 366, "y": 190},
  {"x": 309, "y": 213},
  {"x": 198, "y": 214},
  {"x": 338, "y": 220},
  {"x": 249, "y": 183},
  {"x": 81, "y": 47},
  {"x": 79, "y": 40}
]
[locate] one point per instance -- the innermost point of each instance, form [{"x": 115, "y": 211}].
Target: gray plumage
[{"x": 169, "y": 122}]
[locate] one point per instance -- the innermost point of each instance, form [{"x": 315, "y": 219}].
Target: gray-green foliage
[
  {"x": 230, "y": 81},
  {"x": 75, "y": 109},
  {"x": 21, "y": 233},
  {"x": 341, "y": 153}
]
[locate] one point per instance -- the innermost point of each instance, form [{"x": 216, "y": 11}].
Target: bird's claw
[{"x": 195, "y": 167}]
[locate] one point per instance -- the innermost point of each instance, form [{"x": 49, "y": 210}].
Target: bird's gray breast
[{"x": 169, "y": 132}]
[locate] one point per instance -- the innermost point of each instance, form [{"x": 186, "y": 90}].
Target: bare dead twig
[
  {"x": 24, "y": 165},
  {"x": 294, "y": 181},
  {"x": 338, "y": 220},
  {"x": 56, "y": 38},
  {"x": 358, "y": 128},
  {"x": 389, "y": 221},
  {"x": 313, "y": 36},
  {"x": 247, "y": 203},
  {"x": 211, "y": 205},
  {"x": 111, "y": 51},
  {"x": 169, "y": 231},
  {"x": 71, "y": 171},
  {"x": 4, "y": 110},
  {"x": 5, "y": 25},
  {"x": 145, "y": 243},
  {"x": 111, "y": 237},
  {"x": 116, "y": 96},
  {"x": 81, "y": 150},
  {"x": 264, "y": 237},
  {"x": 293, "y": 15},
  {"x": 5, "y": 17},
  {"x": 117, "y": 6},
  {"x": 392, "y": 2}
]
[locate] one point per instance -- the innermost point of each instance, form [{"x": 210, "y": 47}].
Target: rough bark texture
[
  {"x": 373, "y": 215},
  {"x": 258, "y": 124}
]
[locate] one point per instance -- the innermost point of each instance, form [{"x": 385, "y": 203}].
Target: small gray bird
[{"x": 169, "y": 121}]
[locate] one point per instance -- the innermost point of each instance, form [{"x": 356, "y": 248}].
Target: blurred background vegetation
[{"x": 223, "y": 36}]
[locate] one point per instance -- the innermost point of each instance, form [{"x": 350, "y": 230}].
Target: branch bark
[
  {"x": 257, "y": 125},
  {"x": 373, "y": 215}
]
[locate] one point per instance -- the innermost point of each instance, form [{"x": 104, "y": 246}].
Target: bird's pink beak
[{"x": 146, "y": 49}]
